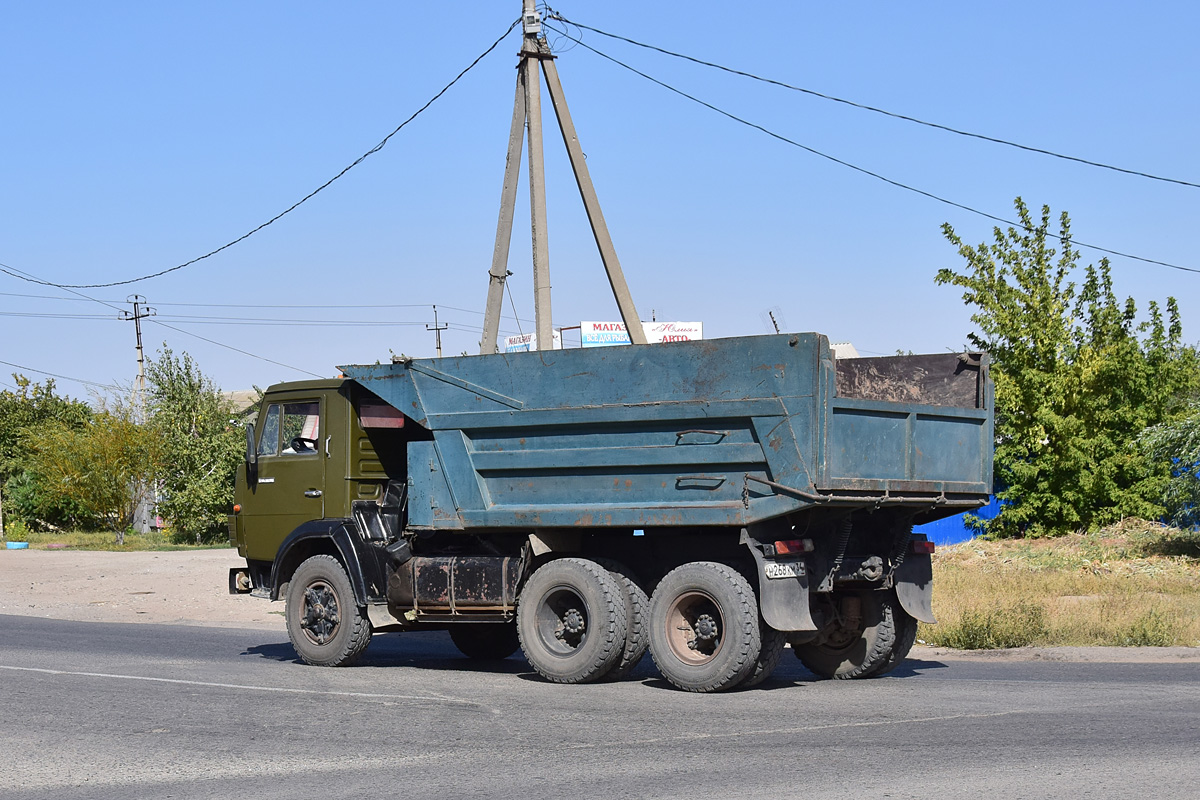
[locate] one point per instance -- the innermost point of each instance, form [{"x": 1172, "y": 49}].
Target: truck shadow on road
[{"x": 433, "y": 650}]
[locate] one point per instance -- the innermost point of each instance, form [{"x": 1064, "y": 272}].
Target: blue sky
[{"x": 136, "y": 136}]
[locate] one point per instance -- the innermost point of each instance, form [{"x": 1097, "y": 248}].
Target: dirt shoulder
[
  {"x": 190, "y": 588},
  {"x": 183, "y": 588}
]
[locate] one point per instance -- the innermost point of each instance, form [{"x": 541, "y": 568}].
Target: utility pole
[
  {"x": 527, "y": 113},
  {"x": 141, "y": 515},
  {"x": 437, "y": 331},
  {"x": 140, "y": 312}
]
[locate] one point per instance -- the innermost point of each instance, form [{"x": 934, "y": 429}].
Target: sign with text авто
[{"x": 605, "y": 334}]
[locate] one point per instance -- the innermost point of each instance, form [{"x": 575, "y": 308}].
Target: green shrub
[
  {"x": 1152, "y": 629},
  {"x": 1018, "y": 625}
]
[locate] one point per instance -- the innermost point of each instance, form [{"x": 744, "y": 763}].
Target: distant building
[{"x": 844, "y": 350}]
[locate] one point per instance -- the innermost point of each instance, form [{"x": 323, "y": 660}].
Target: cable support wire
[
  {"x": 299, "y": 202},
  {"x": 855, "y": 167},
  {"x": 864, "y": 107}
]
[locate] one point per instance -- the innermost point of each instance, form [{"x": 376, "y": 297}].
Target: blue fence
[{"x": 953, "y": 530}]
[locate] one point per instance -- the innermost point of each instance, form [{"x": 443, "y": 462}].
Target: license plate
[{"x": 783, "y": 569}]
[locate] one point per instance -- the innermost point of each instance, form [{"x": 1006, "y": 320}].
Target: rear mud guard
[
  {"x": 914, "y": 586},
  {"x": 783, "y": 592}
]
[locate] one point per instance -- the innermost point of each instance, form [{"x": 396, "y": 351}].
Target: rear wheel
[
  {"x": 906, "y": 637},
  {"x": 773, "y": 642},
  {"x": 571, "y": 621},
  {"x": 485, "y": 641},
  {"x": 637, "y": 617},
  {"x": 324, "y": 622},
  {"x": 857, "y": 641},
  {"x": 704, "y": 627}
]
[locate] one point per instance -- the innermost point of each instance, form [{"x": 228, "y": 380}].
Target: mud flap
[
  {"x": 914, "y": 586},
  {"x": 783, "y": 593}
]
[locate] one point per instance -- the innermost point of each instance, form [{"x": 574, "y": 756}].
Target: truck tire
[
  {"x": 485, "y": 641},
  {"x": 571, "y": 621},
  {"x": 324, "y": 621},
  {"x": 773, "y": 643},
  {"x": 704, "y": 627},
  {"x": 858, "y": 652},
  {"x": 906, "y": 637},
  {"x": 637, "y": 615}
]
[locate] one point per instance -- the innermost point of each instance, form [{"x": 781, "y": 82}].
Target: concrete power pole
[
  {"x": 437, "y": 331},
  {"x": 140, "y": 312},
  {"x": 141, "y": 516},
  {"x": 527, "y": 113}
]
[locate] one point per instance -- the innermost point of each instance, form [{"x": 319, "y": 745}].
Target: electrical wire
[
  {"x": 299, "y": 202},
  {"x": 322, "y": 306},
  {"x": 10, "y": 270},
  {"x": 864, "y": 107},
  {"x": 857, "y": 168},
  {"x": 62, "y": 377}
]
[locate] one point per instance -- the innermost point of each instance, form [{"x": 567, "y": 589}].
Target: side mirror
[{"x": 251, "y": 451}]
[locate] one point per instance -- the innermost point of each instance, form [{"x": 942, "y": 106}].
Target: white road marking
[{"x": 247, "y": 687}]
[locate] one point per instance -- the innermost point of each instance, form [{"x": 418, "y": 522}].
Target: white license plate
[{"x": 783, "y": 569}]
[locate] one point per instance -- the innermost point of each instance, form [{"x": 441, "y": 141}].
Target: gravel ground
[{"x": 191, "y": 588}]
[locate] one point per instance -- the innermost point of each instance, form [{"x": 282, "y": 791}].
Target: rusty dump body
[
  {"x": 715, "y": 486},
  {"x": 726, "y": 432}
]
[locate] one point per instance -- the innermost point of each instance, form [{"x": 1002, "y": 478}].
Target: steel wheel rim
[
  {"x": 562, "y": 621},
  {"x": 695, "y": 628},
  {"x": 321, "y": 613}
]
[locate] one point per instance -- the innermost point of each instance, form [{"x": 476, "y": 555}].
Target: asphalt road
[{"x": 94, "y": 710}]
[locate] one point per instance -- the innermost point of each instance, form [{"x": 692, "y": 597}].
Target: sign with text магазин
[{"x": 605, "y": 334}]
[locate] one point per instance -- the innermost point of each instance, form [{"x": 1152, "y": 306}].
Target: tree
[
  {"x": 1177, "y": 443},
  {"x": 24, "y": 414},
  {"x": 1077, "y": 378},
  {"x": 102, "y": 466},
  {"x": 200, "y": 445}
]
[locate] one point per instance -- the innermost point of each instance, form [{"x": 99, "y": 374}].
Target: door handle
[{"x": 313, "y": 493}]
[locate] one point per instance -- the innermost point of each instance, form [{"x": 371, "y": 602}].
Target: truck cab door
[{"x": 290, "y": 485}]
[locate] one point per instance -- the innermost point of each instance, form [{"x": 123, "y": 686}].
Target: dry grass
[
  {"x": 77, "y": 540},
  {"x": 1133, "y": 584}
]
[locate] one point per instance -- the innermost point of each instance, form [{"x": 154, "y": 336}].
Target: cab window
[
  {"x": 268, "y": 444},
  {"x": 300, "y": 428},
  {"x": 291, "y": 429}
]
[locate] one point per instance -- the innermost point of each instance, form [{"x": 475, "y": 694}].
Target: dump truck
[{"x": 712, "y": 501}]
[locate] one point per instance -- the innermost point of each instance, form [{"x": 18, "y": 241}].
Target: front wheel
[
  {"x": 324, "y": 622},
  {"x": 704, "y": 627}
]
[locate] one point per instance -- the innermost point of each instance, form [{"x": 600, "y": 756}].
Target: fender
[
  {"x": 914, "y": 584},
  {"x": 782, "y": 590},
  {"x": 363, "y": 564}
]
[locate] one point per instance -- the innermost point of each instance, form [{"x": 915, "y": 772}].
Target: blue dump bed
[{"x": 717, "y": 432}]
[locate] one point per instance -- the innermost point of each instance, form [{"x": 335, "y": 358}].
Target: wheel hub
[
  {"x": 321, "y": 615},
  {"x": 705, "y": 628},
  {"x": 573, "y": 623}
]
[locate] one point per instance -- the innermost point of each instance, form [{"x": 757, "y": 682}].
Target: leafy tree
[
  {"x": 101, "y": 467},
  {"x": 1177, "y": 443},
  {"x": 24, "y": 414},
  {"x": 1077, "y": 377},
  {"x": 200, "y": 443}
]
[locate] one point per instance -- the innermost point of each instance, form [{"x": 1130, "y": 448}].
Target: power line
[
  {"x": 62, "y": 377},
  {"x": 235, "y": 349},
  {"x": 855, "y": 167},
  {"x": 10, "y": 270},
  {"x": 299, "y": 202},
  {"x": 864, "y": 107},
  {"x": 322, "y": 306}
]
